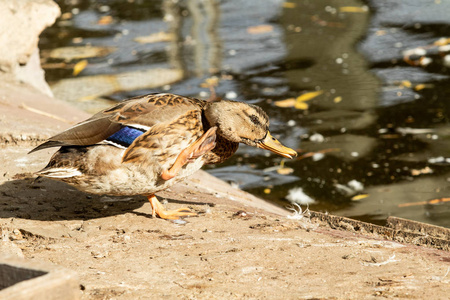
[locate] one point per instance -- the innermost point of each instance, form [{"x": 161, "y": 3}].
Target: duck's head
[{"x": 244, "y": 123}]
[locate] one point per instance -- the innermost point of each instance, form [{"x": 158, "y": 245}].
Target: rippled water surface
[{"x": 366, "y": 84}]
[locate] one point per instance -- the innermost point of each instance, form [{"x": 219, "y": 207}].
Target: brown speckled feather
[{"x": 164, "y": 141}]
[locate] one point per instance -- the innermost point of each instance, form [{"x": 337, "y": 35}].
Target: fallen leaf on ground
[{"x": 260, "y": 29}]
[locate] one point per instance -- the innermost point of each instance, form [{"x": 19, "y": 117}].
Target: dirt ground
[{"x": 239, "y": 247}]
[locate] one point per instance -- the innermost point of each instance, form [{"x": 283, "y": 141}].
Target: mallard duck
[{"x": 146, "y": 144}]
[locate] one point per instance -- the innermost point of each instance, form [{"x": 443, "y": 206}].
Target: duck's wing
[{"x": 141, "y": 113}]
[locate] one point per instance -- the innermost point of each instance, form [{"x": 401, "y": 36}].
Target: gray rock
[{"x": 22, "y": 22}]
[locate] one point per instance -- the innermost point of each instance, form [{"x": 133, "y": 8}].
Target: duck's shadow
[{"x": 48, "y": 200}]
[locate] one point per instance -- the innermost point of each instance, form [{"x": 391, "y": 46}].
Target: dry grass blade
[{"x": 43, "y": 113}]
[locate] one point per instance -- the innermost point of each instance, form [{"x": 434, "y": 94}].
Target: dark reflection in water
[{"x": 377, "y": 132}]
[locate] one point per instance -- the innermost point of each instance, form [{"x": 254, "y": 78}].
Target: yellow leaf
[
  {"x": 267, "y": 191},
  {"x": 285, "y": 171},
  {"x": 406, "y": 83},
  {"x": 285, "y": 103},
  {"x": 105, "y": 20},
  {"x": 353, "y": 9},
  {"x": 359, "y": 197},
  {"x": 337, "y": 99},
  {"x": 308, "y": 96},
  {"x": 289, "y": 5},
  {"x": 419, "y": 87},
  {"x": 260, "y": 29},
  {"x": 299, "y": 102},
  {"x": 301, "y": 105},
  {"x": 79, "y": 66},
  {"x": 422, "y": 86}
]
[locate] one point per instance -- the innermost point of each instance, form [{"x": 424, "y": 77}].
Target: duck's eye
[{"x": 255, "y": 120}]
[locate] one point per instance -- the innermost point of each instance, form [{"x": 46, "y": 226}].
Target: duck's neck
[{"x": 224, "y": 148}]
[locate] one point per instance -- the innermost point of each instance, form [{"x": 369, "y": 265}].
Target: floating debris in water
[
  {"x": 359, "y": 197},
  {"x": 264, "y": 28},
  {"x": 437, "y": 160},
  {"x": 355, "y": 185},
  {"x": 417, "y": 172},
  {"x": 231, "y": 95},
  {"x": 317, "y": 138},
  {"x": 409, "y": 130},
  {"x": 296, "y": 195},
  {"x": 79, "y": 66},
  {"x": 155, "y": 38},
  {"x": 351, "y": 188},
  {"x": 318, "y": 156}
]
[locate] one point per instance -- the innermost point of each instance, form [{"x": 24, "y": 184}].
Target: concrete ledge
[
  {"x": 397, "y": 229},
  {"x": 20, "y": 279}
]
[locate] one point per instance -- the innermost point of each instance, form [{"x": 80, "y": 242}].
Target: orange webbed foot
[{"x": 159, "y": 210}]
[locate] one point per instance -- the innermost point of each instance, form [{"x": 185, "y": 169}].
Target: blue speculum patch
[{"x": 125, "y": 136}]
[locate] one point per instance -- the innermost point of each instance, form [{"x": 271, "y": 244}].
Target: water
[{"x": 373, "y": 142}]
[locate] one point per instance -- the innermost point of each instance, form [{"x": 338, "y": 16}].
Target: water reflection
[
  {"x": 195, "y": 25},
  {"x": 377, "y": 135}
]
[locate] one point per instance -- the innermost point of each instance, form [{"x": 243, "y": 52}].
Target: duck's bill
[{"x": 272, "y": 144}]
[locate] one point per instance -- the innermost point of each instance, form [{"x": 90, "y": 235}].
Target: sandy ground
[{"x": 238, "y": 247}]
